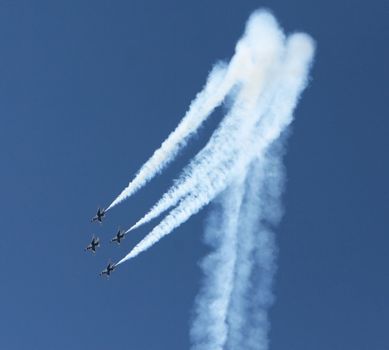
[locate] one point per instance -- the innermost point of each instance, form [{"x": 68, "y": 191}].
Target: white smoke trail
[
  {"x": 241, "y": 166},
  {"x": 299, "y": 54},
  {"x": 263, "y": 41},
  {"x": 279, "y": 115},
  {"x": 209, "y": 330},
  {"x": 220, "y": 82},
  {"x": 231, "y": 312},
  {"x": 256, "y": 253},
  {"x": 201, "y": 107},
  {"x": 248, "y": 222}
]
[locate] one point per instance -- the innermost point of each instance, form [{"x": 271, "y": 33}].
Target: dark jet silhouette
[
  {"x": 93, "y": 244},
  {"x": 119, "y": 236},
  {"x": 99, "y": 215},
  {"x": 107, "y": 271}
]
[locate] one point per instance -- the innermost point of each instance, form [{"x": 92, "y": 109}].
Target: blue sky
[{"x": 88, "y": 89}]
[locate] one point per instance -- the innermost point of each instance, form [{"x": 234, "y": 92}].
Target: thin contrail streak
[{"x": 200, "y": 108}]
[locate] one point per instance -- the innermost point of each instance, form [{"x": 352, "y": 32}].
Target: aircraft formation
[{"x": 95, "y": 242}]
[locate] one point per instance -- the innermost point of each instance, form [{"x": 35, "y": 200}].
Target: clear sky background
[{"x": 88, "y": 89}]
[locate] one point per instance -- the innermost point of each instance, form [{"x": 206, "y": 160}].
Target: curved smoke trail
[
  {"x": 241, "y": 167},
  {"x": 279, "y": 114},
  {"x": 220, "y": 82},
  {"x": 264, "y": 45}
]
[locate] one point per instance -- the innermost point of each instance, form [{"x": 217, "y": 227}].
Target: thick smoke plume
[
  {"x": 221, "y": 81},
  {"x": 261, "y": 120},
  {"x": 240, "y": 170}
]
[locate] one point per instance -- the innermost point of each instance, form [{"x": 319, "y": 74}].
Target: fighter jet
[
  {"x": 119, "y": 236},
  {"x": 99, "y": 215},
  {"x": 107, "y": 271},
  {"x": 93, "y": 244}
]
